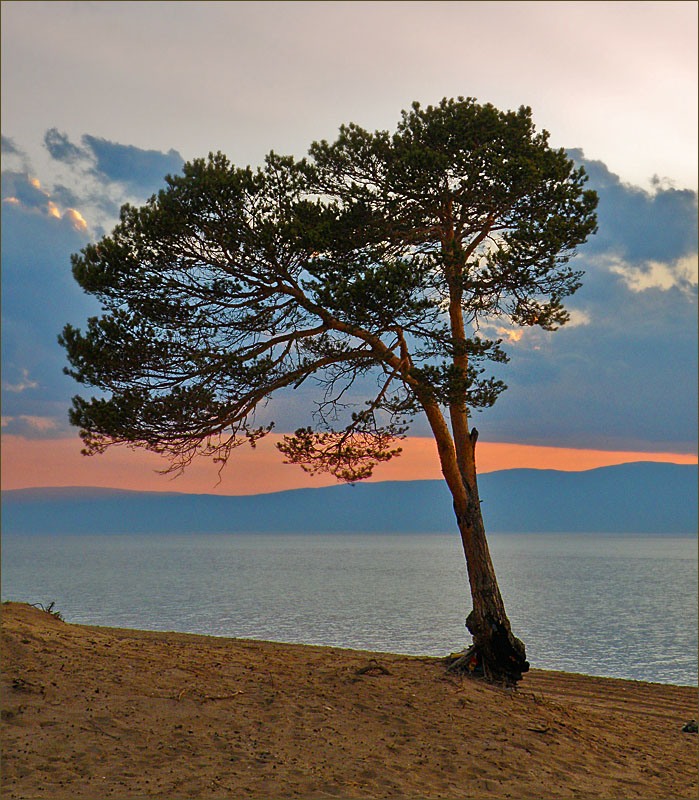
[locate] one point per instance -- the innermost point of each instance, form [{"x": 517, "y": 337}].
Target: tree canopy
[{"x": 378, "y": 255}]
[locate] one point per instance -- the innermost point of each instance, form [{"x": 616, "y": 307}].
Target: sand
[{"x": 96, "y": 713}]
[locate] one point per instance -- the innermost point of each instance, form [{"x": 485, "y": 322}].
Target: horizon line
[{"x": 336, "y": 484}]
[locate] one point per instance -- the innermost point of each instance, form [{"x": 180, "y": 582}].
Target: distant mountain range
[{"x": 630, "y": 498}]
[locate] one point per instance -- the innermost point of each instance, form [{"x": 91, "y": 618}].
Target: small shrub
[{"x": 49, "y": 609}]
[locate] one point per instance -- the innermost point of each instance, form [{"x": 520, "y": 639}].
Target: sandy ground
[{"x": 107, "y": 713}]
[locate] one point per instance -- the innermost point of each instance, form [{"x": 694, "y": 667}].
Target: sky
[{"x": 100, "y": 100}]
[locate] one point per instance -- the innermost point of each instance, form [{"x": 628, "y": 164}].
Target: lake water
[{"x": 621, "y": 606}]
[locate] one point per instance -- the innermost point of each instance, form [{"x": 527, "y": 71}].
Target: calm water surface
[{"x": 623, "y": 606}]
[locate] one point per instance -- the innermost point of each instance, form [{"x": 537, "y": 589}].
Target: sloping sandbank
[{"x": 93, "y": 713}]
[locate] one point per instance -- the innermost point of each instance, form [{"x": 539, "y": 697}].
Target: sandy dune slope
[{"x": 109, "y": 713}]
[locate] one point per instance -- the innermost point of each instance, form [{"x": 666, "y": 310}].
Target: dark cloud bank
[
  {"x": 140, "y": 171},
  {"x": 622, "y": 376},
  {"x": 628, "y": 378}
]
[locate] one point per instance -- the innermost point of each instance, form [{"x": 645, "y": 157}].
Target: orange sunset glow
[{"x": 34, "y": 462}]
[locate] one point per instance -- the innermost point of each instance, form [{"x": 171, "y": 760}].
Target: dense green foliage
[{"x": 377, "y": 255}]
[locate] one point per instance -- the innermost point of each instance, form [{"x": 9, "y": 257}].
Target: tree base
[
  {"x": 497, "y": 651},
  {"x": 467, "y": 662}
]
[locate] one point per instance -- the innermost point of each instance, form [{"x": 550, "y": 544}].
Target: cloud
[
  {"x": 682, "y": 273},
  {"x": 31, "y": 427},
  {"x": 98, "y": 176},
  {"x": 638, "y": 225},
  {"x": 22, "y": 191},
  {"x": 42, "y": 227},
  {"x": 39, "y": 296},
  {"x": 9, "y": 148},
  {"x": 19, "y": 187},
  {"x": 76, "y": 219},
  {"x": 62, "y": 149},
  {"x": 623, "y": 371},
  {"x": 577, "y": 318},
  {"x": 13, "y": 157},
  {"x": 528, "y": 337},
  {"x": 138, "y": 171},
  {"x": 24, "y": 383}
]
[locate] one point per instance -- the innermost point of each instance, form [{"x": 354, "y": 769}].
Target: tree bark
[{"x": 501, "y": 654}]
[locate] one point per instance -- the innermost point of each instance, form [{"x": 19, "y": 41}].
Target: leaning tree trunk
[{"x": 502, "y": 655}]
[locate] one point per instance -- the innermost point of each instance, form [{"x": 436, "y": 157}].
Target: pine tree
[{"x": 379, "y": 256}]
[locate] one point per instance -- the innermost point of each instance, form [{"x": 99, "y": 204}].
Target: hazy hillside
[{"x": 631, "y": 498}]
